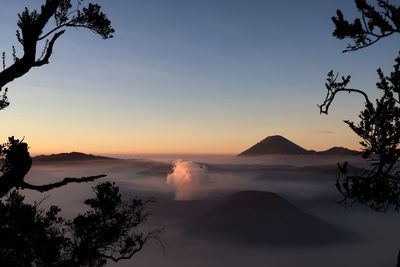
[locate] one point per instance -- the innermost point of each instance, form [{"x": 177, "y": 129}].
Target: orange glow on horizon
[{"x": 175, "y": 146}]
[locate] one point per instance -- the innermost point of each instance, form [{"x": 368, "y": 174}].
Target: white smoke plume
[{"x": 188, "y": 178}]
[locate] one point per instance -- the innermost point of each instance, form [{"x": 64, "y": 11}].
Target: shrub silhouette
[{"x": 31, "y": 236}]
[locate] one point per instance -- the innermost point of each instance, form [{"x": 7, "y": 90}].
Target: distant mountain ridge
[
  {"x": 338, "y": 150},
  {"x": 277, "y": 144},
  {"x": 72, "y": 156}
]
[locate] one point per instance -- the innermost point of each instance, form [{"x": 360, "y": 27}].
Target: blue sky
[{"x": 193, "y": 77}]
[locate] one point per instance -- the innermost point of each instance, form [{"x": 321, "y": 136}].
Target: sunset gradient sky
[{"x": 191, "y": 76}]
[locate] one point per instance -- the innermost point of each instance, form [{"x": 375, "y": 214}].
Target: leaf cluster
[
  {"x": 30, "y": 236},
  {"x": 9, "y": 152},
  {"x": 379, "y": 125},
  {"x": 376, "y": 22}
]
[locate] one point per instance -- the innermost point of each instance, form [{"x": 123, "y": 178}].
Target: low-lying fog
[{"x": 207, "y": 223}]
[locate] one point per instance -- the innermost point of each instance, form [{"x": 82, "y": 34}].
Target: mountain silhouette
[
  {"x": 275, "y": 144},
  {"x": 263, "y": 218},
  {"x": 72, "y": 156}
]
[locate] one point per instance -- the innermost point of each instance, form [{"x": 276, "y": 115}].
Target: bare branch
[
  {"x": 65, "y": 181},
  {"x": 154, "y": 234},
  {"x": 51, "y": 31},
  {"x": 333, "y": 87},
  {"x": 324, "y": 107}
]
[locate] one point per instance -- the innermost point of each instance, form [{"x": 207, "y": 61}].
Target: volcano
[{"x": 275, "y": 144}]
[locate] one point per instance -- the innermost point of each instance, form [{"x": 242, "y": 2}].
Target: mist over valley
[{"x": 277, "y": 210}]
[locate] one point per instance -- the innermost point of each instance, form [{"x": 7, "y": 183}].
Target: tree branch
[
  {"x": 51, "y": 31},
  {"x": 352, "y": 48},
  {"x": 65, "y": 25},
  {"x": 31, "y": 25},
  {"x": 333, "y": 87},
  {"x": 31, "y": 28},
  {"x": 151, "y": 235},
  {"x": 49, "y": 50},
  {"x": 65, "y": 181},
  {"x": 69, "y": 24},
  {"x": 324, "y": 107},
  {"x": 376, "y": 23}
]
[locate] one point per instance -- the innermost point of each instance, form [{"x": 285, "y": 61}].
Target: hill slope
[{"x": 263, "y": 218}]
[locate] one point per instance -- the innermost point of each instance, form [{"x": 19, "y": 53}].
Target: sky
[{"x": 191, "y": 76}]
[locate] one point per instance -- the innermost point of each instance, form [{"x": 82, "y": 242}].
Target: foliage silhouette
[
  {"x": 379, "y": 126},
  {"x": 30, "y": 236},
  {"x": 376, "y": 22},
  {"x": 34, "y": 237}
]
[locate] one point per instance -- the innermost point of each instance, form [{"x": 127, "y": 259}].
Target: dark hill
[
  {"x": 73, "y": 156},
  {"x": 275, "y": 144},
  {"x": 262, "y": 218},
  {"x": 337, "y": 150}
]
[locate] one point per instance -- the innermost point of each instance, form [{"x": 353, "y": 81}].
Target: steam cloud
[{"x": 187, "y": 177}]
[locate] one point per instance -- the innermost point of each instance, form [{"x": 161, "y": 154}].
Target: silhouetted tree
[
  {"x": 30, "y": 236},
  {"x": 379, "y": 126},
  {"x": 35, "y": 29}
]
